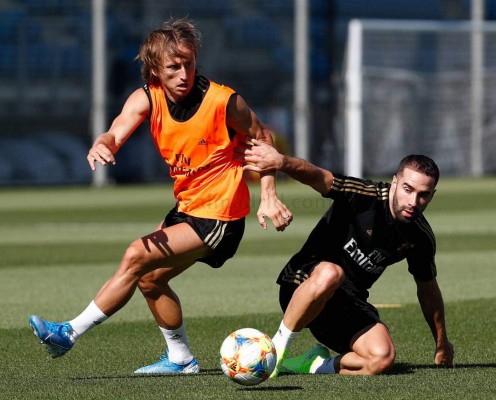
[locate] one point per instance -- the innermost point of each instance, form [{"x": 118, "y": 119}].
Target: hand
[
  {"x": 276, "y": 211},
  {"x": 263, "y": 157},
  {"x": 444, "y": 355},
  {"x": 101, "y": 154}
]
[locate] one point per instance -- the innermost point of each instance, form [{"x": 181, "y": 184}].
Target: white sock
[
  {"x": 283, "y": 337},
  {"x": 177, "y": 345},
  {"x": 326, "y": 367},
  {"x": 89, "y": 318}
]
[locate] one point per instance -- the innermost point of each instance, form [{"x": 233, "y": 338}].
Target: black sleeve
[
  {"x": 421, "y": 261},
  {"x": 358, "y": 193}
]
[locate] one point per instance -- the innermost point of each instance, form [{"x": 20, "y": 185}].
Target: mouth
[{"x": 408, "y": 213}]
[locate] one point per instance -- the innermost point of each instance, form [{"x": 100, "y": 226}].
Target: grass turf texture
[{"x": 59, "y": 245}]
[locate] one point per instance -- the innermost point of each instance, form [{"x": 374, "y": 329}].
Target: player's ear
[{"x": 153, "y": 72}]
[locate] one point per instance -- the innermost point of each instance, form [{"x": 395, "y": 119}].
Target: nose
[
  {"x": 183, "y": 73},
  {"x": 413, "y": 200}
]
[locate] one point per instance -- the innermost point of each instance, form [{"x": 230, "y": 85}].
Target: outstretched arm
[
  {"x": 244, "y": 121},
  {"x": 431, "y": 302},
  {"x": 107, "y": 144},
  {"x": 266, "y": 158}
]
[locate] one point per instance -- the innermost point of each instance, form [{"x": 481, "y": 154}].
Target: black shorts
[
  {"x": 222, "y": 237},
  {"x": 344, "y": 315}
]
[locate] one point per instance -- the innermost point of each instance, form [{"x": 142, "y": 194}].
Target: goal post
[
  {"x": 420, "y": 87},
  {"x": 353, "y": 101},
  {"x": 99, "y": 82}
]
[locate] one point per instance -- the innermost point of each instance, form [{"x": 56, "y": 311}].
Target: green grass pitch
[{"x": 59, "y": 245}]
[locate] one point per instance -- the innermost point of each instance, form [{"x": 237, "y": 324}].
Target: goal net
[{"x": 420, "y": 87}]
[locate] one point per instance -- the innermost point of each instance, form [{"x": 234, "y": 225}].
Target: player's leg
[
  {"x": 351, "y": 327},
  {"x": 306, "y": 302},
  {"x": 372, "y": 353},
  {"x": 175, "y": 246},
  {"x": 166, "y": 309},
  {"x": 160, "y": 298},
  {"x": 223, "y": 238},
  {"x": 311, "y": 296},
  {"x": 162, "y": 301}
]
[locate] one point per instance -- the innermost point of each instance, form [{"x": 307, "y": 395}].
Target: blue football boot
[
  {"x": 166, "y": 366},
  {"x": 53, "y": 335}
]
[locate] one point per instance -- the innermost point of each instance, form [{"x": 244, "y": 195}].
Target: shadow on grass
[
  {"x": 396, "y": 369},
  {"x": 404, "y": 368},
  {"x": 147, "y": 376},
  {"x": 264, "y": 388},
  {"x": 270, "y": 389}
]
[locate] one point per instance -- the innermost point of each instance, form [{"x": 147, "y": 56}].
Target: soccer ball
[{"x": 247, "y": 356}]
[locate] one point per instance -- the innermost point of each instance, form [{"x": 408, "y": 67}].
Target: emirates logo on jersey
[{"x": 369, "y": 262}]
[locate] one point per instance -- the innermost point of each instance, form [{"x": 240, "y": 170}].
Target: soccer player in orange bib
[{"x": 196, "y": 125}]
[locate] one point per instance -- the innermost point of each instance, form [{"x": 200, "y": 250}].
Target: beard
[{"x": 398, "y": 212}]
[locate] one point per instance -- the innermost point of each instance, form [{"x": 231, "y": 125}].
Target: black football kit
[{"x": 359, "y": 234}]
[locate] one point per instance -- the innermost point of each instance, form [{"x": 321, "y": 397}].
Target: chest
[
  {"x": 373, "y": 240},
  {"x": 191, "y": 142}
]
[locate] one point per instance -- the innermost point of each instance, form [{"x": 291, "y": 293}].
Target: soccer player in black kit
[{"x": 324, "y": 287}]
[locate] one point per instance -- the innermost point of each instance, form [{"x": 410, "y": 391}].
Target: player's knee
[
  {"x": 381, "y": 361},
  {"x": 133, "y": 260},
  {"x": 330, "y": 276},
  {"x": 324, "y": 280}
]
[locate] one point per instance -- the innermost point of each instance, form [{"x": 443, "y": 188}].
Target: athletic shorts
[
  {"x": 222, "y": 237},
  {"x": 344, "y": 315}
]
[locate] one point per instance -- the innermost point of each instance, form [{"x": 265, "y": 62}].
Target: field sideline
[{"x": 59, "y": 245}]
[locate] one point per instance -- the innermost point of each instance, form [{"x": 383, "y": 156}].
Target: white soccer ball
[{"x": 247, "y": 356}]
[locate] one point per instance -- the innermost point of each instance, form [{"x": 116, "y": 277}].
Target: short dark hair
[{"x": 419, "y": 163}]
